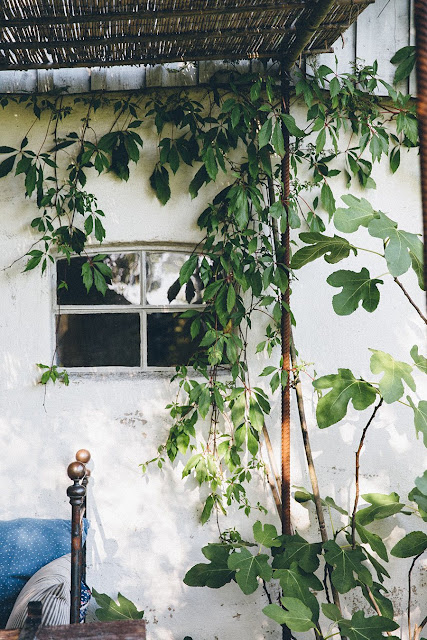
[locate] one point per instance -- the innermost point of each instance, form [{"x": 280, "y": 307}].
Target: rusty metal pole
[
  {"x": 286, "y": 327},
  {"x": 285, "y": 330},
  {"x": 420, "y": 10}
]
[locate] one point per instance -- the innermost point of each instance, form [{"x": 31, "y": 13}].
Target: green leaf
[
  {"x": 87, "y": 276},
  {"x": 256, "y": 415},
  {"x": 420, "y": 417},
  {"x": 327, "y": 199},
  {"x": 333, "y": 406},
  {"x": 207, "y": 509},
  {"x": 405, "y": 58},
  {"x": 321, "y": 140},
  {"x": 110, "y": 610},
  {"x": 296, "y": 583},
  {"x": 332, "y": 612},
  {"x": 298, "y": 618},
  {"x": 266, "y": 536},
  {"x": 248, "y": 567},
  {"x": 361, "y": 628},
  {"x": 291, "y": 125},
  {"x": 412, "y": 544},
  {"x": 333, "y": 249},
  {"x": 400, "y": 243},
  {"x": 210, "y": 163},
  {"x": 99, "y": 281},
  {"x": 298, "y": 550},
  {"x": 359, "y": 214},
  {"x": 188, "y": 269},
  {"x": 6, "y": 166},
  {"x": 231, "y": 298},
  {"x": 265, "y": 133},
  {"x": 395, "y": 373},
  {"x": 382, "y": 506},
  {"x": 357, "y": 287},
  {"x": 241, "y": 209},
  {"x": 215, "y": 574},
  {"x": 159, "y": 182},
  {"x": 277, "y": 140},
  {"x": 419, "y": 360},
  {"x": 373, "y": 540},
  {"x": 347, "y": 564},
  {"x": 421, "y": 483},
  {"x": 7, "y": 149}
]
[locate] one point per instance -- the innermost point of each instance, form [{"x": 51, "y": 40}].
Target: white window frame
[{"x": 143, "y": 308}]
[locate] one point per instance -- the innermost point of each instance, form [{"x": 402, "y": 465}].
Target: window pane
[
  {"x": 98, "y": 340},
  {"x": 123, "y": 289},
  {"x": 169, "y": 342},
  {"x": 163, "y": 286}
]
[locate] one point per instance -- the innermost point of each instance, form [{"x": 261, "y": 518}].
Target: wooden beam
[
  {"x": 137, "y": 39},
  {"x": 153, "y": 14},
  {"x": 158, "y": 14},
  {"x": 224, "y": 55}
]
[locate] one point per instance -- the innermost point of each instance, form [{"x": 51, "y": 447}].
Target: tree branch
[
  {"x": 356, "y": 499},
  {"x": 410, "y": 598},
  {"x": 417, "y": 309}
]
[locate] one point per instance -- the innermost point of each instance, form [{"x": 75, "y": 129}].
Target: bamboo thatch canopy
[{"x": 67, "y": 33}]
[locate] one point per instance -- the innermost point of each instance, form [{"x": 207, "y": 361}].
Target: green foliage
[
  {"x": 109, "y": 609},
  {"x": 332, "y": 407},
  {"x": 405, "y": 59},
  {"x": 347, "y": 565},
  {"x": 215, "y": 574},
  {"x": 395, "y": 374},
  {"x": 356, "y": 288},
  {"x": 248, "y": 567},
  {"x": 51, "y": 372},
  {"x": 413, "y": 544},
  {"x": 317, "y": 245},
  {"x": 236, "y": 139},
  {"x": 296, "y": 615}
]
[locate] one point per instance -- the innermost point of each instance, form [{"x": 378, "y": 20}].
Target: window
[{"x": 137, "y": 323}]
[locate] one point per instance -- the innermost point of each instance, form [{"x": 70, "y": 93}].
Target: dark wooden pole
[
  {"x": 420, "y": 9},
  {"x": 76, "y": 492}
]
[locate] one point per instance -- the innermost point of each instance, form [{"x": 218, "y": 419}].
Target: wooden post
[{"x": 76, "y": 492}]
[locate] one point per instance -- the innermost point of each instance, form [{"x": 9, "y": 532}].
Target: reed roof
[{"x": 68, "y": 33}]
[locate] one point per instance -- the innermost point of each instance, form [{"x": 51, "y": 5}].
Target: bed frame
[
  {"x": 77, "y": 493},
  {"x": 116, "y": 630}
]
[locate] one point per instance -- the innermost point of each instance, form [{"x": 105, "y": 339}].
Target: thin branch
[
  {"x": 375, "y": 605},
  {"x": 266, "y": 591},
  {"x": 410, "y": 596},
  {"x": 356, "y": 499},
  {"x": 418, "y": 628},
  {"x": 417, "y": 309}
]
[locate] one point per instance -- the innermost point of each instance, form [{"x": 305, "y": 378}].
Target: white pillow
[{"x": 51, "y": 586}]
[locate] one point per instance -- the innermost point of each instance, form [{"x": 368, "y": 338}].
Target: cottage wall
[{"x": 145, "y": 530}]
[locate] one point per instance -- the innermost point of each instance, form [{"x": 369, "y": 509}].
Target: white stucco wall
[{"x": 145, "y": 532}]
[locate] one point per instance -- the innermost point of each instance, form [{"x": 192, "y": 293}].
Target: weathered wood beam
[
  {"x": 143, "y": 38},
  {"x": 158, "y": 14},
  {"x": 224, "y": 55},
  {"x": 153, "y": 14},
  {"x": 306, "y": 30}
]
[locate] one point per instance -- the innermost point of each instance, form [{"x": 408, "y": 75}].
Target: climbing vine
[{"x": 219, "y": 416}]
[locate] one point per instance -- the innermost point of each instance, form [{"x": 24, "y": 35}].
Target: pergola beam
[
  {"x": 118, "y": 16},
  {"x": 143, "y": 38},
  {"x": 225, "y": 55}
]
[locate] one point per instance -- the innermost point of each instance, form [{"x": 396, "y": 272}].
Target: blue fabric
[
  {"x": 85, "y": 596},
  {"x": 26, "y": 545}
]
